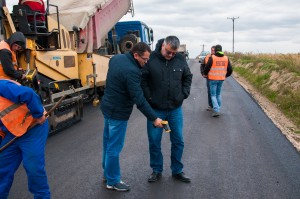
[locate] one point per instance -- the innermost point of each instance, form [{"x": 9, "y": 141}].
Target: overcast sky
[{"x": 263, "y": 26}]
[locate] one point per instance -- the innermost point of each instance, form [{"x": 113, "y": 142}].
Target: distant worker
[
  {"x": 8, "y": 59},
  {"x": 123, "y": 90},
  {"x": 166, "y": 83},
  {"x": 202, "y": 66},
  {"x": 20, "y": 108},
  {"x": 217, "y": 69},
  {"x": 36, "y": 6}
]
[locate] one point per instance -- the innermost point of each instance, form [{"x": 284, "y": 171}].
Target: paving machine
[{"x": 61, "y": 52}]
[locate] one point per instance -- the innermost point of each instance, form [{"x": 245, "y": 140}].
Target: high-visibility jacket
[
  {"x": 4, "y": 45},
  {"x": 15, "y": 117},
  {"x": 218, "y": 68}
]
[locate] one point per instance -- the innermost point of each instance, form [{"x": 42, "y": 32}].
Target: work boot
[
  {"x": 181, "y": 177},
  {"x": 154, "y": 177}
]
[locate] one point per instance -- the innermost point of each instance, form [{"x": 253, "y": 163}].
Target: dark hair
[
  {"x": 218, "y": 48},
  {"x": 173, "y": 41},
  {"x": 140, "y": 48}
]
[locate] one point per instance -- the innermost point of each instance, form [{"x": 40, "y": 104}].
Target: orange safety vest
[
  {"x": 218, "y": 68},
  {"x": 4, "y": 45},
  {"x": 15, "y": 117}
]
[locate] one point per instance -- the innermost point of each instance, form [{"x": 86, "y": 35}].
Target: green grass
[{"x": 257, "y": 69}]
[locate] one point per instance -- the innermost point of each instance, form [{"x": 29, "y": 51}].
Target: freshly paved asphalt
[{"x": 239, "y": 155}]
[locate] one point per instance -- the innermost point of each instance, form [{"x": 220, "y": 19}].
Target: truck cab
[{"x": 127, "y": 33}]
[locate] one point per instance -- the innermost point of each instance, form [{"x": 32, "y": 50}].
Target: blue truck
[{"x": 127, "y": 33}]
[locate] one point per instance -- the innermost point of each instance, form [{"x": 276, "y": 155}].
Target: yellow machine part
[
  {"x": 58, "y": 64},
  {"x": 86, "y": 61}
]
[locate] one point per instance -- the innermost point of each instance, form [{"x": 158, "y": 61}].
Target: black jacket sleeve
[
  {"x": 208, "y": 66},
  {"x": 145, "y": 84},
  {"x": 8, "y": 67},
  {"x": 186, "y": 81},
  {"x": 229, "y": 69}
]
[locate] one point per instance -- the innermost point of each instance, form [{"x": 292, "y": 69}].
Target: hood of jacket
[{"x": 17, "y": 37}]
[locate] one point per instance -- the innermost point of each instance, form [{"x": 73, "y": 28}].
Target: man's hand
[
  {"x": 41, "y": 120},
  {"x": 157, "y": 123}
]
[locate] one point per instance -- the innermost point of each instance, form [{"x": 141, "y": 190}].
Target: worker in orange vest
[
  {"x": 217, "y": 69},
  {"x": 202, "y": 66},
  {"x": 8, "y": 59},
  {"x": 20, "y": 109}
]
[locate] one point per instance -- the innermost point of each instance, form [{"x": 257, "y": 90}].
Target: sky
[{"x": 262, "y": 26}]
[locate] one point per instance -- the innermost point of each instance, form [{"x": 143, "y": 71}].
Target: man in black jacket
[
  {"x": 123, "y": 90},
  {"x": 166, "y": 81}
]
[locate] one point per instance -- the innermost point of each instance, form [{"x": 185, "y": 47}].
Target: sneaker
[
  {"x": 209, "y": 108},
  {"x": 215, "y": 114},
  {"x": 181, "y": 177},
  {"x": 120, "y": 186},
  {"x": 154, "y": 177}
]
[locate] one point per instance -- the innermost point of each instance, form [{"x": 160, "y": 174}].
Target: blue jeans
[
  {"x": 208, "y": 93},
  {"x": 215, "y": 87},
  {"x": 30, "y": 148},
  {"x": 113, "y": 141},
  {"x": 175, "y": 119}
]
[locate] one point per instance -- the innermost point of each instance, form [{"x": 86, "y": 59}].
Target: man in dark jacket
[
  {"x": 217, "y": 69},
  {"x": 123, "y": 90},
  {"x": 202, "y": 66},
  {"x": 166, "y": 83},
  {"x": 8, "y": 61}
]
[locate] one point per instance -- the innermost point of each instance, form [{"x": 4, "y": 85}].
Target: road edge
[{"x": 287, "y": 127}]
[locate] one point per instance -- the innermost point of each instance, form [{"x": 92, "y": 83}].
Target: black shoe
[
  {"x": 182, "y": 177},
  {"x": 154, "y": 177}
]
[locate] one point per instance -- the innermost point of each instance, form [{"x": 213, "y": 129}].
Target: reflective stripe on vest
[
  {"x": 218, "y": 68},
  {"x": 15, "y": 117},
  {"x": 4, "y": 45}
]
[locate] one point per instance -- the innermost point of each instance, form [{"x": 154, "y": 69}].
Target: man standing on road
[
  {"x": 166, "y": 83},
  {"x": 202, "y": 66},
  {"x": 217, "y": 69},
  {"x": 20, "y": 108},
  {"x": 123, "y": 90}
]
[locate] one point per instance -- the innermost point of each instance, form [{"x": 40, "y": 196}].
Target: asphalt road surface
[{"x": 238, "y": 155}]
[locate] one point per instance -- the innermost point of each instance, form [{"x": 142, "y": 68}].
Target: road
[{"x": 241, "y": 154}]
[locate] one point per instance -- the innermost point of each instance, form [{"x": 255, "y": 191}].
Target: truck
[
  {"x": 125, "y": 34},
  {"x": 61, "y": 58},
  {"x": 182, "y": 50}
]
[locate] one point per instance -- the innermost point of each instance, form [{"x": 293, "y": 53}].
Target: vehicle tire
[{"x": 127, "y": 42}]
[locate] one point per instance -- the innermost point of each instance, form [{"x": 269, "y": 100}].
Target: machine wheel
[{"x": 127, "y": 42}]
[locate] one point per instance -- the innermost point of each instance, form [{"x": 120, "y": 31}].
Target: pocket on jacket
[{"x": 177, "y": 73}]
